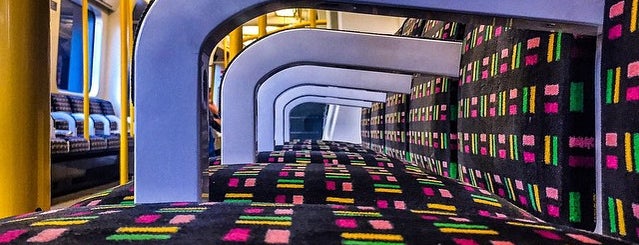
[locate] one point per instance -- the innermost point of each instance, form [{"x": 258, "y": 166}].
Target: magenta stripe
[{"x": 11, "y": 235}]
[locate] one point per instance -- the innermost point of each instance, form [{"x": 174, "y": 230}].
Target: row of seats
[
  {"x": 347, "y": 196},
  {"x": 67, "y": 127},
  {"x": 518, "y": 122}
]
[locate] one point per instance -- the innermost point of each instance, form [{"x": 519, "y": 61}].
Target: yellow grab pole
[
  {"x": 211, "y": 83},
  {"x": 132, "y": 118},
  {"x": 124, "y": 93},
  {"x": 25, "y": 169},
  {"x": 129, "y": 25},
  {"x": 85, "y": 65},
  {"x": 236, "y": 42},
  {"x": 131, "y": 39},
  {"x": 312, "y": 16},
  {"x": 261, "y": 26},
  {"x": 226, "y": 51}
]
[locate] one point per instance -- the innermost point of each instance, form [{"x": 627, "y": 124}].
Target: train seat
[
  {"x": 67, "y": 112},
  {"x": 260, "y": 223},
  {"x": 516, "y": 123}
]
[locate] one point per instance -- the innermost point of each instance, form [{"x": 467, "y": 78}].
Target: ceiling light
[{"x": 285, "y": 13}]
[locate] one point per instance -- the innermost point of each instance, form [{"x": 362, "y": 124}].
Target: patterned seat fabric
[
  {"x": 382, "y": 187},
  {"x": 59, "y": 146},
  {"x": 77, "y": 106},
  {"x": 433, "y": 128},
  {"x": 326, "y": 157},
  {"x": 396, "y": 126},
  {"x": 107, "y": 109},
  {"x": 120, "y": 195},
  {"x": 315, "y": 147},
  {"x": 60, "y": 124},
  {"x": 620, "y": 123},
  {"x": 208, "y": 223},
  {"x": 98, "y": 143},
  {"x": 526, "y": 120},
  {"x": 377, "y": 127},
  {"x": 95, "y": 107},
  {"x": 366, "y": 128},
  {"x": 78, "y": 144},
  {"x": 60, "y": 102}
]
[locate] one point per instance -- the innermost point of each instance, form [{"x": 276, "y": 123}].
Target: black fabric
[
  {"x": 396, "y": 125},
  {"x": 94, "y": 106},
  {"x": 60, "y": 124},
  {"x": 366, "y": 128},
  {"x": 378, "y": 112},
  {"x": 107, "y": 107},
  {"x": 327, "y": 157},
  {"x": 393, "y": 187},
  {"x": 433, "y": 125},
  {"x": 314, "y": 147},
  {"x": 59, "y": 146},
  {"x": 60, "y": 102},
  {"x": 443, "y": 30},
  {"x": 225, "y": 223},
  {"x": 620, "y": 120},
  {"x": 526, "y": 120}
]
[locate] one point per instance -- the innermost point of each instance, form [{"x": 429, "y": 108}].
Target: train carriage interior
[{"x": 319, "y": 122}]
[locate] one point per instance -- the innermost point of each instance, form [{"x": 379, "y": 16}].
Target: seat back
[
  {"x": 366, "y": 128},
  {"x": 396, "y": 125},
  {"x": 526, "y": 120},
  {"x": 60, "y": 102},
  {"x": 377, "y": 127},
  {"x": 619, "y": 125}
]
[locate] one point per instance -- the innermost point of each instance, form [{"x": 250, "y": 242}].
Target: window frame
[{"x": 96, "y": 59}]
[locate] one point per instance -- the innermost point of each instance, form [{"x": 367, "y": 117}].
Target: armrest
[
  {"x": 104, "y": 120},
  {"x": 63, "y": 133},
  {"x": 68, "y": 118},
  {"x": 79, "y": 117},
  {"x": 115, "y": 119},
  {"x": 51, "y": 128}
]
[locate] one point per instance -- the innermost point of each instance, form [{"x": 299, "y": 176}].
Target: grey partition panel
[
  {"x": 170, "y": 80},
  {"x": 317, "y": 75}
]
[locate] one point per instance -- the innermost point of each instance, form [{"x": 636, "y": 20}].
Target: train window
[
  {"x": 69, "y": 70},
  {"x": 307, "y": 121}
]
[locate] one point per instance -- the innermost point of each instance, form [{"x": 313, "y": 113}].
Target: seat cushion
[
  {"x": 213, "y": 223},
  {"x": 381, "y": 187},
  {"x": 59, "y": 146},
  {"x": 77, "y": 144}
]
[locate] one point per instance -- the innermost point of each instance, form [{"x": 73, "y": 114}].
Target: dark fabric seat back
[
  {"x": 396, "y": 126},
  {"x": 526, "y": 120},
  {"x": 620, "y": 120},
  {"x": 377, "y": 127}
]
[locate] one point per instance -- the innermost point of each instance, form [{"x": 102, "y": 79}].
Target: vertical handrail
[
  {"x": 236, "y": 46},
  {"x": 130, "y": 57},
  {"x": 312, "y": 16},
  {"x": 25, "y": 110},
  {"x": 261, "y": 26},
  {"x": 85, "y": 65},
  {"x": 124, "y": 93},
  {"x": 226, "y": 51}
]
